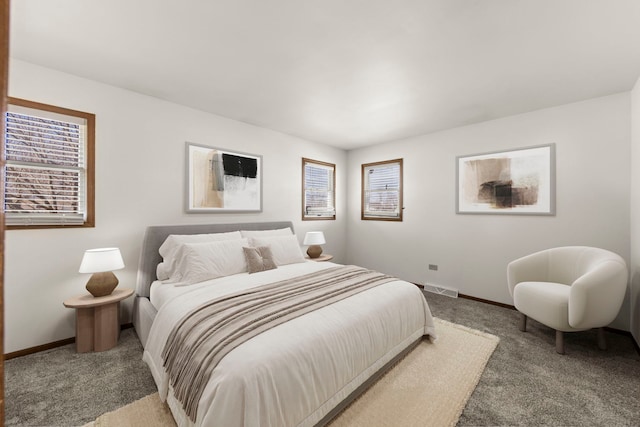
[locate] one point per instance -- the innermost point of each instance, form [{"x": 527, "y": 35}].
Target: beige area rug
[{"x": 429, "y": 387}]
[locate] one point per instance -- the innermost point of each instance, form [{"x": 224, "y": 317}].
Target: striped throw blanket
[{"x": 209, "y": 332}]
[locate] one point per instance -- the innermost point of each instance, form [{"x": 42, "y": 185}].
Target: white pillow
[
  {"x": 168, "y": 249},
  {"x": 197, "y": 262},
  {"x": 285, "y": 249},
  {"x": 267, "y": 233}
]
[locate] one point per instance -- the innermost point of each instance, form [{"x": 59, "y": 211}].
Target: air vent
[{"x": 441, "y": 290}]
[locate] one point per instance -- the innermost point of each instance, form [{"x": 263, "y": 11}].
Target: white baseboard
[{"x": 441, "y": 290}]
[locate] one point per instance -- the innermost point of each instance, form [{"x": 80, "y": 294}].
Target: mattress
[{"x": 295, "y": 373}]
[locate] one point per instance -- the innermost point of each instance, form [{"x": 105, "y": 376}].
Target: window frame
[
  {"x": 89, "y": 159},
  {"x": 380, "y": 217},
  {"x": 306, "y": 217}
]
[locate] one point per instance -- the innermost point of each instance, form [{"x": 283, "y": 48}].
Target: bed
[{"x": 302, "y": 371}]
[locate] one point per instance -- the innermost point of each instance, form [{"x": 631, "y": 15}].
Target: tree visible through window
[
  {"x": 318, "y": 190},
  {"x": 49, "y": 165},
  {"x": 382, "y": 190}
]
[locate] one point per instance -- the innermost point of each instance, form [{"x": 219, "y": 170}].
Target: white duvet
[{"x": 295, "y": 373}]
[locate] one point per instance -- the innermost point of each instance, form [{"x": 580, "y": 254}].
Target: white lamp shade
[
  {"x": 314, "y": 238},
  {"x": 99, "y": 260}
]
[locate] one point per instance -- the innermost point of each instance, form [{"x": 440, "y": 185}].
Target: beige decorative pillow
[{"x": 259, "y": 259}]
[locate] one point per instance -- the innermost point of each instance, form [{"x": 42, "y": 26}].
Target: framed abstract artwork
[
  {"x": 520, "y": 182},
  {"x": 221, "y": 180}
]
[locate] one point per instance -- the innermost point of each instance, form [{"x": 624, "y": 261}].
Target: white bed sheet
[
  {"x": 295, "y": 373},
  {"x": 161, "y": 292}
]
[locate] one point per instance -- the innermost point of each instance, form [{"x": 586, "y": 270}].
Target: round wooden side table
[
  {"x": 322, "y": 258},
  {"x": 97, "y": 320}
]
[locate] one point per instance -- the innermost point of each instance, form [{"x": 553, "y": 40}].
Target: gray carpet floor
[{"x": 525, "y": 382}]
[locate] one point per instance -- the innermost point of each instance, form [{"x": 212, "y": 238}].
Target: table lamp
[
  {"x": 314, "y": 239},
  {"x": 101, "y": 262}
]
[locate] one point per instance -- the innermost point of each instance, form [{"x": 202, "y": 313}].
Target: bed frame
[{"x": 143, "y": 311}]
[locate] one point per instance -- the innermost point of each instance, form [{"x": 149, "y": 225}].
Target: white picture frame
[
  {"x": 515, "y": 182},
  {"x": 219, "y": 180}
]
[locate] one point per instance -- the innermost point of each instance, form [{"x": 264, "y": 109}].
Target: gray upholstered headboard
[{"x": 156, "y": 235}]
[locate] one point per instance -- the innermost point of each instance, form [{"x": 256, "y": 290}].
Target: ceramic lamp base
[
  {"x": 314, "y": 251},
  {"x": 102, "y": 284}
]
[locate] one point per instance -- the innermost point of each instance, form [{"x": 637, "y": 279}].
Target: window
[
  {"x": 318, "y": 190},
  {"x": 49, "y": 178},
  {"x": 382, "y": 190}
]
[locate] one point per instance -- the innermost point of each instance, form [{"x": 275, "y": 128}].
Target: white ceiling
[{"x": 347, "y": 73}]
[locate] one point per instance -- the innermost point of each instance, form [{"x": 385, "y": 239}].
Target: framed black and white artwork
[
  {"x": 221, "y": 180},
  {"x": 519, "y": 181}
]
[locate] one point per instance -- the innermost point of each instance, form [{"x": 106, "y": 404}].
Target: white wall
[
  {"x": 472, "y": 251},
  {"x": 140, "y": 145},
  {"x": 635, "y": 212},
  {"x": 140, "y": 181}
]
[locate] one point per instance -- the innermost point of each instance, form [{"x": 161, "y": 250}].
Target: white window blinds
[
  {"x": 382, "y": 190},
  {"x": 318, "y": 190},
  {"x": 45, "y": 168}
]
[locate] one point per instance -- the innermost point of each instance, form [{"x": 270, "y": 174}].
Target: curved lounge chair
[{"x": 572, "y": 288}]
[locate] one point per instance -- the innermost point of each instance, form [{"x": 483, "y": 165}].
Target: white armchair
[{"x": 569, "y": 289}]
